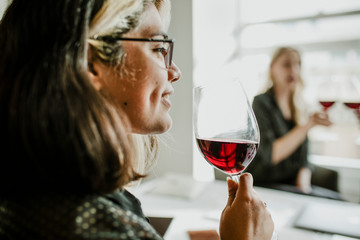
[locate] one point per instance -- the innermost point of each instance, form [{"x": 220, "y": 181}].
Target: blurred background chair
[{"x": 324, "y": 183}]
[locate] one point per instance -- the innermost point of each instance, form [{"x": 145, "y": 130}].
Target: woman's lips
[{"x": 165, "y": 98}]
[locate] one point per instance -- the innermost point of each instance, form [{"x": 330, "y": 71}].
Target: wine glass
[
  {"x": 354, "y": 105},
  {"x": 225, "y": 127},
  {"x": 326, "y": 104},
  {"x": 350, "y": 93},
  {"x": 327, "y": 94}
]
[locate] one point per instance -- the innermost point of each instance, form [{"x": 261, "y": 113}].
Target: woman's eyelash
[{"x": 161, "y": 50}]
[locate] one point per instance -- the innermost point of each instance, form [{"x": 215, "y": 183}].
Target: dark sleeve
[
  {"x": 261, "y": 166},
  {"x": 125, "y": 200},
  {"x": 73, "y": 217},
  {"x": 112, "y": 221}
]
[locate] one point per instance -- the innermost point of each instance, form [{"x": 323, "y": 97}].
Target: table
[
  {"x": 200, "y": 206},
  {"x": 349, "y": 174}
]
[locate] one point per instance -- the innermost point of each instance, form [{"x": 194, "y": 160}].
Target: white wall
[
  {"x": 176, "y": 148},
  {"x": 3, "y": 5}
]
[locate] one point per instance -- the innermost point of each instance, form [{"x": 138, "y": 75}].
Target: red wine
[
  {"x": 355, "y": 106},
  {"x": 231, "y": 157},
  {"x": 352, "y": 105},
  {"x": 327, "y": 104}
]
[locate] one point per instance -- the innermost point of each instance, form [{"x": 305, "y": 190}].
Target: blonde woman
[
  {"x": 84, "y": 87},
  {"x": 282, "y": 157}
]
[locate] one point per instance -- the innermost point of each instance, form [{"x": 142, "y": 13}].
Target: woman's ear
[{"x": 93, "y": 72}]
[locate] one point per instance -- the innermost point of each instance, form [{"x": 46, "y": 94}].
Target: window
[{"x": 244, "y": 33}]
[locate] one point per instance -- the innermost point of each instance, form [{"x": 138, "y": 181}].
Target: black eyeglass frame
[{"x": 167, "y": 57}]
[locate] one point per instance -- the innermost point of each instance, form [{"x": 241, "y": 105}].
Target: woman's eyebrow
[{"x": 161, "y": 34}]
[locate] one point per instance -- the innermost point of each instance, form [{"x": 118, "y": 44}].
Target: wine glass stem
[{"x": 235, "y": 178}]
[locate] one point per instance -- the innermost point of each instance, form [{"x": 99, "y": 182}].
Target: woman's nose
[{"x": 174, "y": 73}]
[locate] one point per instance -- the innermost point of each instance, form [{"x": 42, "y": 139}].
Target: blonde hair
[
  {"x": 116, "y": 18},
  {"x": 164, "y": 8},
  {"x": 297, "y": 103}
]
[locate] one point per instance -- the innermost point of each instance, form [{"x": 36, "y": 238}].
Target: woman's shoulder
[
  {"x": 72, "y": 217},
  {"x": 266, "y": 98}
]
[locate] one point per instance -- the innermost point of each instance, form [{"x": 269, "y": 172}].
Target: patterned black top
[
  {"x": 114, "y": 216},
  {"x": 273, "y": 125}
]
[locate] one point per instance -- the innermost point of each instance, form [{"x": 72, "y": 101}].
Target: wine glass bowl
[
  {"x": 327, "y": 94},
  {"x": 350, "y": 93},
  {"x": 355, "y": 106},
  {"x": 326, "y": 104},
  {"x": 225, "y": 127}
]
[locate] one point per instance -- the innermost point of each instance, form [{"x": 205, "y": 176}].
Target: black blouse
[
  {"x": 113, "y": 216},
  {"x": 272, "y": 126}
]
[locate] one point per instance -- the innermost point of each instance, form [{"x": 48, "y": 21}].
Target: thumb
[{"x": 232, "y": 188}]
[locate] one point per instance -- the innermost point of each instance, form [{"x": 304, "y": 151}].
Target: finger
[
  {"x": 232, "y": 189},
  {"x": 245, "y": 187},
  {"x": 328, "y": 123},
  {"x": 246, "y": 181},
  {"x": 324, "y": 122},
  {"x": 270, "y": 222},
  {"x": 322, "y": 119},
  {"x": 321, "y": 115}
]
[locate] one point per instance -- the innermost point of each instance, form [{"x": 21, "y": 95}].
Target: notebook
[{"x": 340, "y": 218}]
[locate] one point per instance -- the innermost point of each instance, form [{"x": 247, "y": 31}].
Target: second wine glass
[{"x": 225, "y": 126}]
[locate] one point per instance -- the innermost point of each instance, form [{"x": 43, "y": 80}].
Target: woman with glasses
[{"x": 84, "y": 89}]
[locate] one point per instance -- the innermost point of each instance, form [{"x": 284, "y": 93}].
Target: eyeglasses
[
  {"x": 168, "y": 49},
  {"x": 168, "y": 52}
]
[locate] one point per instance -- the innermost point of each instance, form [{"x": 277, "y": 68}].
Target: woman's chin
[
  {"x": 165, "y": 126},
  {"x": 157, "y": 128}
]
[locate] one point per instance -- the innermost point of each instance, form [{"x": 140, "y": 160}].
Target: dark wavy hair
[{"x": 57, "y": 132}]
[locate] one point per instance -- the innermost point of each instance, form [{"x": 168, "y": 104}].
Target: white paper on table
[{"x": 178, "y": 185}]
